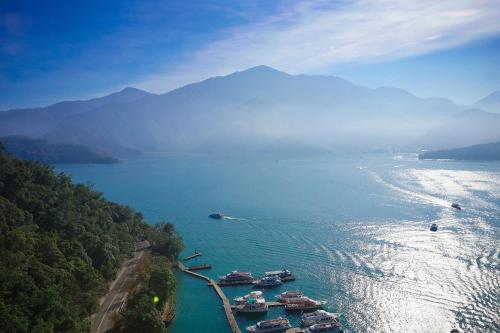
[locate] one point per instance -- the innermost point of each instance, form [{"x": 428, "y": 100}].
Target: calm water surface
[{"x": 354, "y": 230}]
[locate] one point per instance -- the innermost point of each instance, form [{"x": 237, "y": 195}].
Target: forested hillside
[{"x": 60, "y": 244}]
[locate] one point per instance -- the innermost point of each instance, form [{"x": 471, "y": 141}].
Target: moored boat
[
  {"x": 289, "y": 296},
  {"x": 284, "y": 275},
  {"x": 243, "y": 299},
  {"x": 268, "y": 282},
  {"x": 236, "y": 277},
  {"x": 318, "y": 317},
  {"x": 325, "y": 328},
  {"x": 252, "y": 305},
  {"x": 274, "y": 325},
  {"x": 305, "y": 304}
]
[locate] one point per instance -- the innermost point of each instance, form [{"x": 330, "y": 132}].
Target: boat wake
[{"x": 421, "y": 197}]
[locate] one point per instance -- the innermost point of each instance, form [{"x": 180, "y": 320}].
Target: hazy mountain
[
  {"x": 257, "y": 109},
  {"x": 466, "y": 128},
  {"x": 490, "y": 103},
  {"x": 483, "y": 152},
  {"x": 37, "y": 121},
  {"x": 39, "y": 150}
]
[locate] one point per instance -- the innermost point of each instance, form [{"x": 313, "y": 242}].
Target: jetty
[
  {"x": 225, "y": 302},
  {"x": 194, "y": 255}
]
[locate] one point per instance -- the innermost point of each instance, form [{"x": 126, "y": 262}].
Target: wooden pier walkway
[{"x": 225, "y": 302}]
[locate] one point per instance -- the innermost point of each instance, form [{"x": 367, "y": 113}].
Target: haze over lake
[{"x": 353, "y": 228}]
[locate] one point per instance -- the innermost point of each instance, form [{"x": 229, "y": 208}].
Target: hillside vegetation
[
  {"x": 40, "y": 150},
  {"x": 61, "y": 243}
]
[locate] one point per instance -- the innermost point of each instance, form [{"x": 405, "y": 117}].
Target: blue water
[{"x": 354, "y": 230}]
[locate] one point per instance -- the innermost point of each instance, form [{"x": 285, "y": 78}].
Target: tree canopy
[{"x": 60, "y": 243}]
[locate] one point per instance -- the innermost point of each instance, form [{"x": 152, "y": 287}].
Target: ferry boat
[
  {"x": 236, "y": 277},
  {"x": 274, "y": 325},
  {"x": 289, "y": 296},
  {"x": 216, "y": 216},
  {"x": 284, "y": 275},
  {"x": 318, "y": 317},
  {"x": 252, "y": 305},
  {"x": 325, "y": 328},
  {"x": 456, "y": 206},
  {"x": 306, "y": 304},
  {"x": 434, "y": 227},
  {"x": 243, "y": 299},
  {"x": 268, "y": 282}
]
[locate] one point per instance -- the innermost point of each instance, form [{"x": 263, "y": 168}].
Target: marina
[{"x": 228, "y": 308}]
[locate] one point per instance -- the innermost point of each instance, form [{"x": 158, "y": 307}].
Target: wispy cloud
[{"x": 314, "y": 35}]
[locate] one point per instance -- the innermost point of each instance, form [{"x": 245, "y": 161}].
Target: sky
[{"x": 60, "y": 50}]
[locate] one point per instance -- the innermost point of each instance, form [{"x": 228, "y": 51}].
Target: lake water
[{"x": 353, "y": 229}]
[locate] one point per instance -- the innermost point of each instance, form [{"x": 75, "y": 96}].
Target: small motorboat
[
  {"x": 216, "y": 216},
  {"x": 274, "y": 325},
  {"x": 434, "y": 227},
  {"x": 268, "y": 282},
  {"x": 456, "y": 206}
]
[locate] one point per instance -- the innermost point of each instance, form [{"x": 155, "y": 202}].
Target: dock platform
[
  {"x": 194, "y": 255},
  {"x": 199, "y": 267}
]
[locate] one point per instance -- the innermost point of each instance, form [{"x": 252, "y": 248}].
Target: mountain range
[{"x": 257, "y": 109}]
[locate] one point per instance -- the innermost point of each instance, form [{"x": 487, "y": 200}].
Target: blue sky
[{"x": 57, "y": 50}]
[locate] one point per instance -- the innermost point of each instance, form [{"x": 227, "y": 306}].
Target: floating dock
[
  {"x": 194, "y": 255},
  {"x": 199, "y": 267},
  {"x": 235, "y": 283}
]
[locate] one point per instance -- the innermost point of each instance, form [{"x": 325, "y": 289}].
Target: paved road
[{"x": 117, "y": 295}]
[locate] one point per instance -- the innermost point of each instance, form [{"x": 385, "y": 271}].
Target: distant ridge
[
  {"x": 39, "y": 150},
  {"x": 37, "y": 121},
  {"x": 482, "y": 152},
  {"x": 490, "y": 103}
]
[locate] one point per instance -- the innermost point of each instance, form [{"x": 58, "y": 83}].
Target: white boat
[
  {"x": 305, "y": 304},
  {"x": 243, "y": 299},
  {"x": 318, "y": 317},
  {"x": 289, "y": 295},
  {"x": 325, "y": 328},
  {"x": 274, "y": 325},
  {"x": 252, "y": 305},
  {"x": 284, "y": 274},
  {"x": 268, "y": 282}
]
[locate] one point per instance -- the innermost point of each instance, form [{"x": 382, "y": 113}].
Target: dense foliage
[
  {"x": 60, "y": 243},
  {"x": 145, "y": 306},
  {"x": 39, "y": 150}
]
